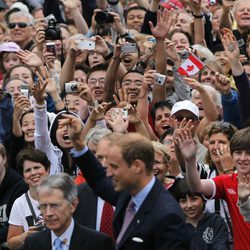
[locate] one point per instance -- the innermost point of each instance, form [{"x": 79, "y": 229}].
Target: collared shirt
[
  {"x": 65, "y": 237},
  {"x": 141, "y": 196}
]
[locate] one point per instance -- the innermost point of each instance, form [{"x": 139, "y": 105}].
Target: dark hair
[
  {"x": 240, "y": 140},
  {"x": 189, "y": 37},
  {"x": 225, "y": 128},
  {"x": 169, "y": 131},
  {"x": 180, "y": 190},
  {"x": 18, "y": 66},
  {"x": 82, "y": 67},
  {"x": 160, "y": 105},
  {"x": 133, "y": 8},
  {"x": 99, "y": 67},
  {"x": 131, "y": 71},
  {"x": 34, "y": 155},
  {"x": 30, "y": 111},
  {"x": 7, "y": 80},
  {"x": 53, "y": 129},
  {"x": 130, "y": 40}
]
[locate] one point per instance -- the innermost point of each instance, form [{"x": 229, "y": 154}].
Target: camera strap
[{"x": 31, "y": 208}]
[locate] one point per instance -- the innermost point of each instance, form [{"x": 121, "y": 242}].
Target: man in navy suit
[
  {"x": 147, "y": 216},
  {"x": 57, "y": 196}
]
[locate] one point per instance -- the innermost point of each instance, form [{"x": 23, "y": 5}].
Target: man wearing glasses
[
  {"x": 57, "y": 195},
  {"x": 20, "y": 25}
]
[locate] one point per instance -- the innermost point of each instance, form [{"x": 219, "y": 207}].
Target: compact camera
[
  {"x": 159, "y": 79},
  {"x": 212, "y": 2},
  {"x": 184, "y": 54},
  {"x": 104, "y": 17},
  {"x": 129, "y": 48},
  {"x": 71, "y": 87},
  {"x": 86, "y": 44},
  {"x": 52, "y": 32},
  {"x": 25, "y": 90}
]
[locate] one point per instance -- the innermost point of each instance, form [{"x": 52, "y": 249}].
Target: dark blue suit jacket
[
  {"x": 82, "y": 238},
  {"x": 158, "y": 224}
]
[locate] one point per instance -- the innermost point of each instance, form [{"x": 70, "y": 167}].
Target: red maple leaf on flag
[{"x": 190, "y": 67}]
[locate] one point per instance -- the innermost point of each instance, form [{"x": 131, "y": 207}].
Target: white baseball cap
[{"x": 185, "y": 105}]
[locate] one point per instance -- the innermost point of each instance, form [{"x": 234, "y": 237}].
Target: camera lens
[{"x": 74, "y": 87}]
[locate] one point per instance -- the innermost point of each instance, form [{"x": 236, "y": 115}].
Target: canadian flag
[{"x": 191, "y": 66}]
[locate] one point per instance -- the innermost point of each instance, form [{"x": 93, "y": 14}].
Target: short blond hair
[{"x": 161, "y": 149}]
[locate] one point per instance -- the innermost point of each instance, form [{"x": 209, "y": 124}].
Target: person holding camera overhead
[{"x": 25, "y": 217}]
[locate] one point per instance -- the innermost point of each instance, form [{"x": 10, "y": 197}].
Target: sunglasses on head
[{"x": 19, "y": 24}]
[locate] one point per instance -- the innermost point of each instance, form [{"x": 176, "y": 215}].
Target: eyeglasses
[
  {"x": 93, "y": 81},
  {"x": 19, "y": 24},
  {"x": 127, "y": 83},
  {"x": 52, "y": 206}
]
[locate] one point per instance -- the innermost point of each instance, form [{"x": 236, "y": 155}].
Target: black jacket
[
  {"x": 211, "y": 233},
  {"x": 158, "y": 224},
  {"x": 82, "y": 238},
  {"x": 11, "y": 188}
]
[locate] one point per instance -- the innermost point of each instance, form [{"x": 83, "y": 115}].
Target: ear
[
  {"x": 74, "y": 204},
  {"x": 139, "y": 166}
]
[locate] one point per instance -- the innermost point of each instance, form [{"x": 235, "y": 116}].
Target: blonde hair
[{"x": 161, "y": 149}]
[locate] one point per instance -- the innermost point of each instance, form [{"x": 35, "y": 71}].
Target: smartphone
[
  {"x": 51, "y": 47},
  {"x": 25, "y": 90},
  {"x": 86, "y": 44},
  {"x": 129, "y": 48}
]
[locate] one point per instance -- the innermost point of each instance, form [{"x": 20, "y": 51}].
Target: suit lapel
[
  {"x": 77, "y": 238},
  {"x": 141, "y": 214}
]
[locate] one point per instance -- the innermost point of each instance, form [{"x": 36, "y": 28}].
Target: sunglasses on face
[
  {"x": 19, "y": 24},
  {"x": 180, "y": 118}
]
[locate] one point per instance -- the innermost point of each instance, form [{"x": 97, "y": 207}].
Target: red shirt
[{"x": 227, "y": 189}]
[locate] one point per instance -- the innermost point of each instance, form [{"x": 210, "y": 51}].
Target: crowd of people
[{"x": 124, "y": 124}]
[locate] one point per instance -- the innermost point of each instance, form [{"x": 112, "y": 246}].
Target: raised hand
[
  {"x": 117, "y": 24},
  {"x": 227, "y": 4},
  {"x": 21, "y": 104},
  {"x": 243, "y": 188},
  {"x": 124, "y": 99},
  {"x": 194, "y": 84},
  {"x": 230, "y": 45},
  {"x": 195, "y": 6},
  {"x": 29, "y": 58},
  {"x": 39, "y": 90},
  {"x": 222, "y": 83},
  {"x": 164, "y": 22},
  {"x": 116, "y": 121},
  {"x": 74, "y": 126},
  {"x": 226, "y": 159},
  {"x": 84, "y": 93},
  {"x": 148, "y": 80},
  {"x": 71, "y": 4},
  {"x": 99, "y": 111},
  {"x": 186, "y": 143},
  {"x": 100, "y": 46}
]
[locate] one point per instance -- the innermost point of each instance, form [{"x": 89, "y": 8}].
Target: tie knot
[
  {"x": 58, "y": 244},
  {"x": 131, "y": 205}
]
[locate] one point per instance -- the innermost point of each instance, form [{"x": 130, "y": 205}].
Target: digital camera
[
  {"x": 159, "y": 79},
  {"x": 71, "y": 87},
  {"x": 52, "y": 32},
  {"x": 104, "y": 17}
]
